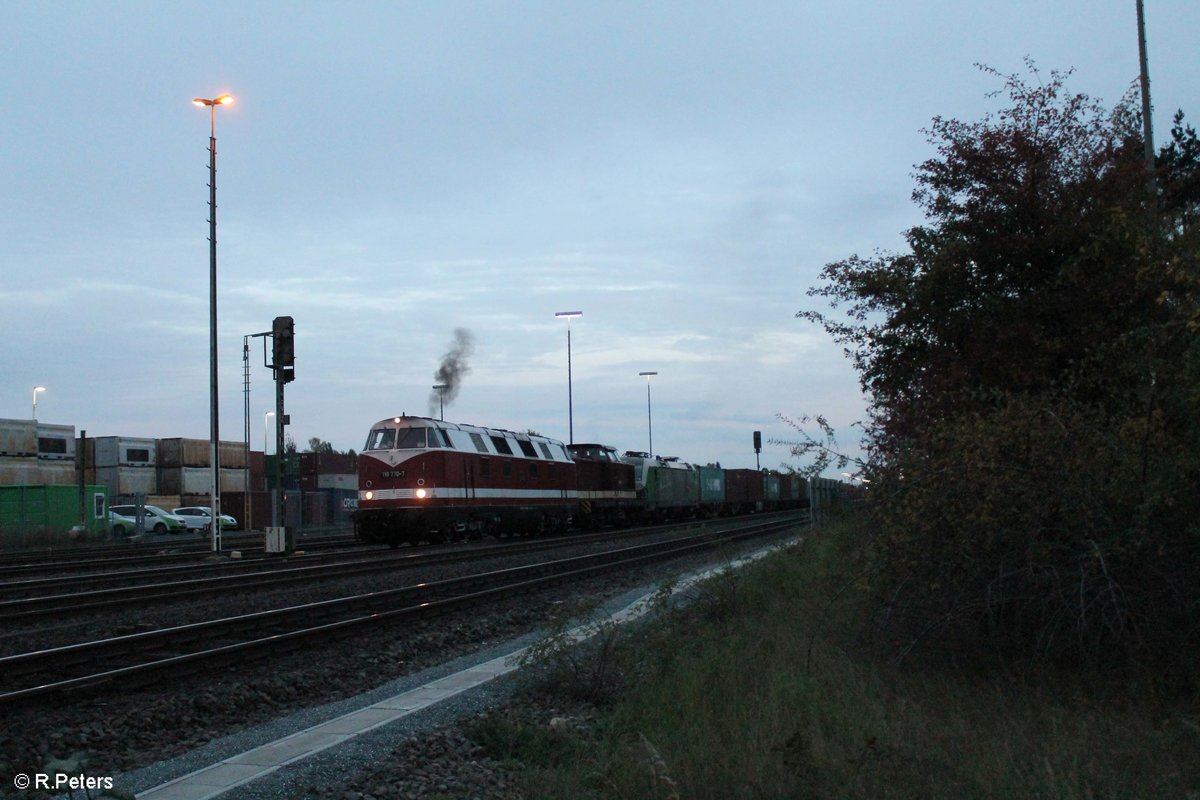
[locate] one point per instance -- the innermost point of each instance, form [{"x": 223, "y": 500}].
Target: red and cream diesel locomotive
[
  {"x": 422, "y": 479},
  {"x": 426, "y": 480}
]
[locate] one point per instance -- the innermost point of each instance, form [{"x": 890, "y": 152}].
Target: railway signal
[
  {"x": 283, "y": 348},
  {"x": 283, "y": 361}
]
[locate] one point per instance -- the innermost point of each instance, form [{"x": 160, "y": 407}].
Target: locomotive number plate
[{"x": 394, "y": 473}]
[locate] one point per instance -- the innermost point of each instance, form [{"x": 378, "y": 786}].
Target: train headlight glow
[
  {"x": 420, "y": 494},
  {"x": 369, "y": 496}
]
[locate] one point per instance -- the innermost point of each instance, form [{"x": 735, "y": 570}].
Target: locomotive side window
[
  {"x": 460, "y": 440},
  {"x": 411, "y": 439},
  {"x": 545, "y": 451},
  {"x": 501, "y": 445},
  {"x": 477, "y": 440},
  {"x": 527, "y": 448},
  {"x": 381, "y": 439},
  {"x": 438, "y": 438}
]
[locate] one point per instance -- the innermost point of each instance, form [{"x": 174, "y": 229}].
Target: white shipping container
[
  {"x": 185, "y": 480},
  {"x": 234, "y": 480},
  {"x": 338, "y": 482},
  {"x": 18, "y": 437},
  {"x": 128, "y": 480},
  {"x": 56, "y": 442},
  {"x": 20, "y": 471},
  {"x": 124, "y": 451},
  {"x": 57, "y": 473}
]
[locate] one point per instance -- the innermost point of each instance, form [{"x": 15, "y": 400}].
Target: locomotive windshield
[
  {"x": 381, "y": 439},
  {"x": 406, "y": 439},
  {"x": 410, "y": 439}
]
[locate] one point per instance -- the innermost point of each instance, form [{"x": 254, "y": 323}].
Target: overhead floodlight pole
[
  {"x": 441, "y": 390},
  {"x": 214, "y": 432},
  {"x": 649, "y": 417},
  {"x": 568, "y": 316},
  {"x": 36, "y": 389},
  {"x": 1147, "y": 123}
]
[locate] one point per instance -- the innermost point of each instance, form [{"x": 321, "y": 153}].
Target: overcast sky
[{"x": 392, "y": 171}]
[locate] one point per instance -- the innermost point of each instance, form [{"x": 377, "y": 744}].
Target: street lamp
[
  {"x": 214, "y": 445},
  {"x": 36, "y": 389},
  {"x": 649, "y": 419},
  {"x": 441, "y": 390},
  {"x": 568, "y": 316}
]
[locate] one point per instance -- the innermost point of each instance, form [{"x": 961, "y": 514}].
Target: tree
[
  {"x": 316, "y": 445},
  {"x": 1032, "y": 367}
]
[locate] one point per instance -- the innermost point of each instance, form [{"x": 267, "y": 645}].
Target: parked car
[
  {"x": 198, "y": 518},
  {"x": 156, "y": 519},
  {"x": 121, "y": 525}
]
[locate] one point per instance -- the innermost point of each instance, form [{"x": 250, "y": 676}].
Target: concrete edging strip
[{"x": 216, "y": 779}]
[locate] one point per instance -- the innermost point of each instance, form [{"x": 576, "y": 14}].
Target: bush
[{"x": 1040, "y": 531}]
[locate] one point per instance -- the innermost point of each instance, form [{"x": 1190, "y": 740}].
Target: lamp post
[
  {"x": 568, "y": 316},
  {"x": 214, "y": 445},
  {"x": 441, "y": 390},
  {"x": 649, "y": 418},
  {"x": 36, "y": 389}
]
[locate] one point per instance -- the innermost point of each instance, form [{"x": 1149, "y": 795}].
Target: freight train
[{"x": 422, "y": 479}]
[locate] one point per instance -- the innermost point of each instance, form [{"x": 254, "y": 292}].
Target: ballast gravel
[{"x": 147, "y": 736}]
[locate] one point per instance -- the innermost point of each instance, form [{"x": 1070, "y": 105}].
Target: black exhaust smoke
[{"x": 452, "y": 370}]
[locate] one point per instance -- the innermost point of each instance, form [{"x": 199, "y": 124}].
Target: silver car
[
  {"x": 156, "y": 519},
  {"x": 198, "y": 518}
]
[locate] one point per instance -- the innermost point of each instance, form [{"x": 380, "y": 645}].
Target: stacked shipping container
[{"x": 35, "y": 453}]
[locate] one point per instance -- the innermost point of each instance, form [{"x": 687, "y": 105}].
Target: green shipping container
[
  {"x": 52, "y": 509},
  {"x": 771, "y": 488},
  {"x": 671, "y": 487},
  {"x": 712, "y": 485}
]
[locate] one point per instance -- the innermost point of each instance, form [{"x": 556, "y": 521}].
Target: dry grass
[{"x": 759, "y": 690}]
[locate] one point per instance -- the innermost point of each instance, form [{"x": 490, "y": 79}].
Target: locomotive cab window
[
  {"x": 411, "y": 439},
  {"x": 545, "y": 451},
  {"x": 381, "y": 439},
  {"x": 527, "y": 448}
]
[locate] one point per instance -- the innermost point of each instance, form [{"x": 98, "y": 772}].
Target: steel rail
[
  {"x": 105, "y": 660},
  {"x": 72, "y": 596},
  {"x": 182, "y": 551}
]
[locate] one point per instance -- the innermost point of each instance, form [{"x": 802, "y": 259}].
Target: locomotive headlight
[
  {"x": 420, "y": 494},
  {"x": 369, "y": 496}
]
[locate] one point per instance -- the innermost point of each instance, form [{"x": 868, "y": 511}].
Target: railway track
[
  {"x": 146, "y": 656},
  {"x": 121, "y": 556},
  {"x": 79, "y": 595}
]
